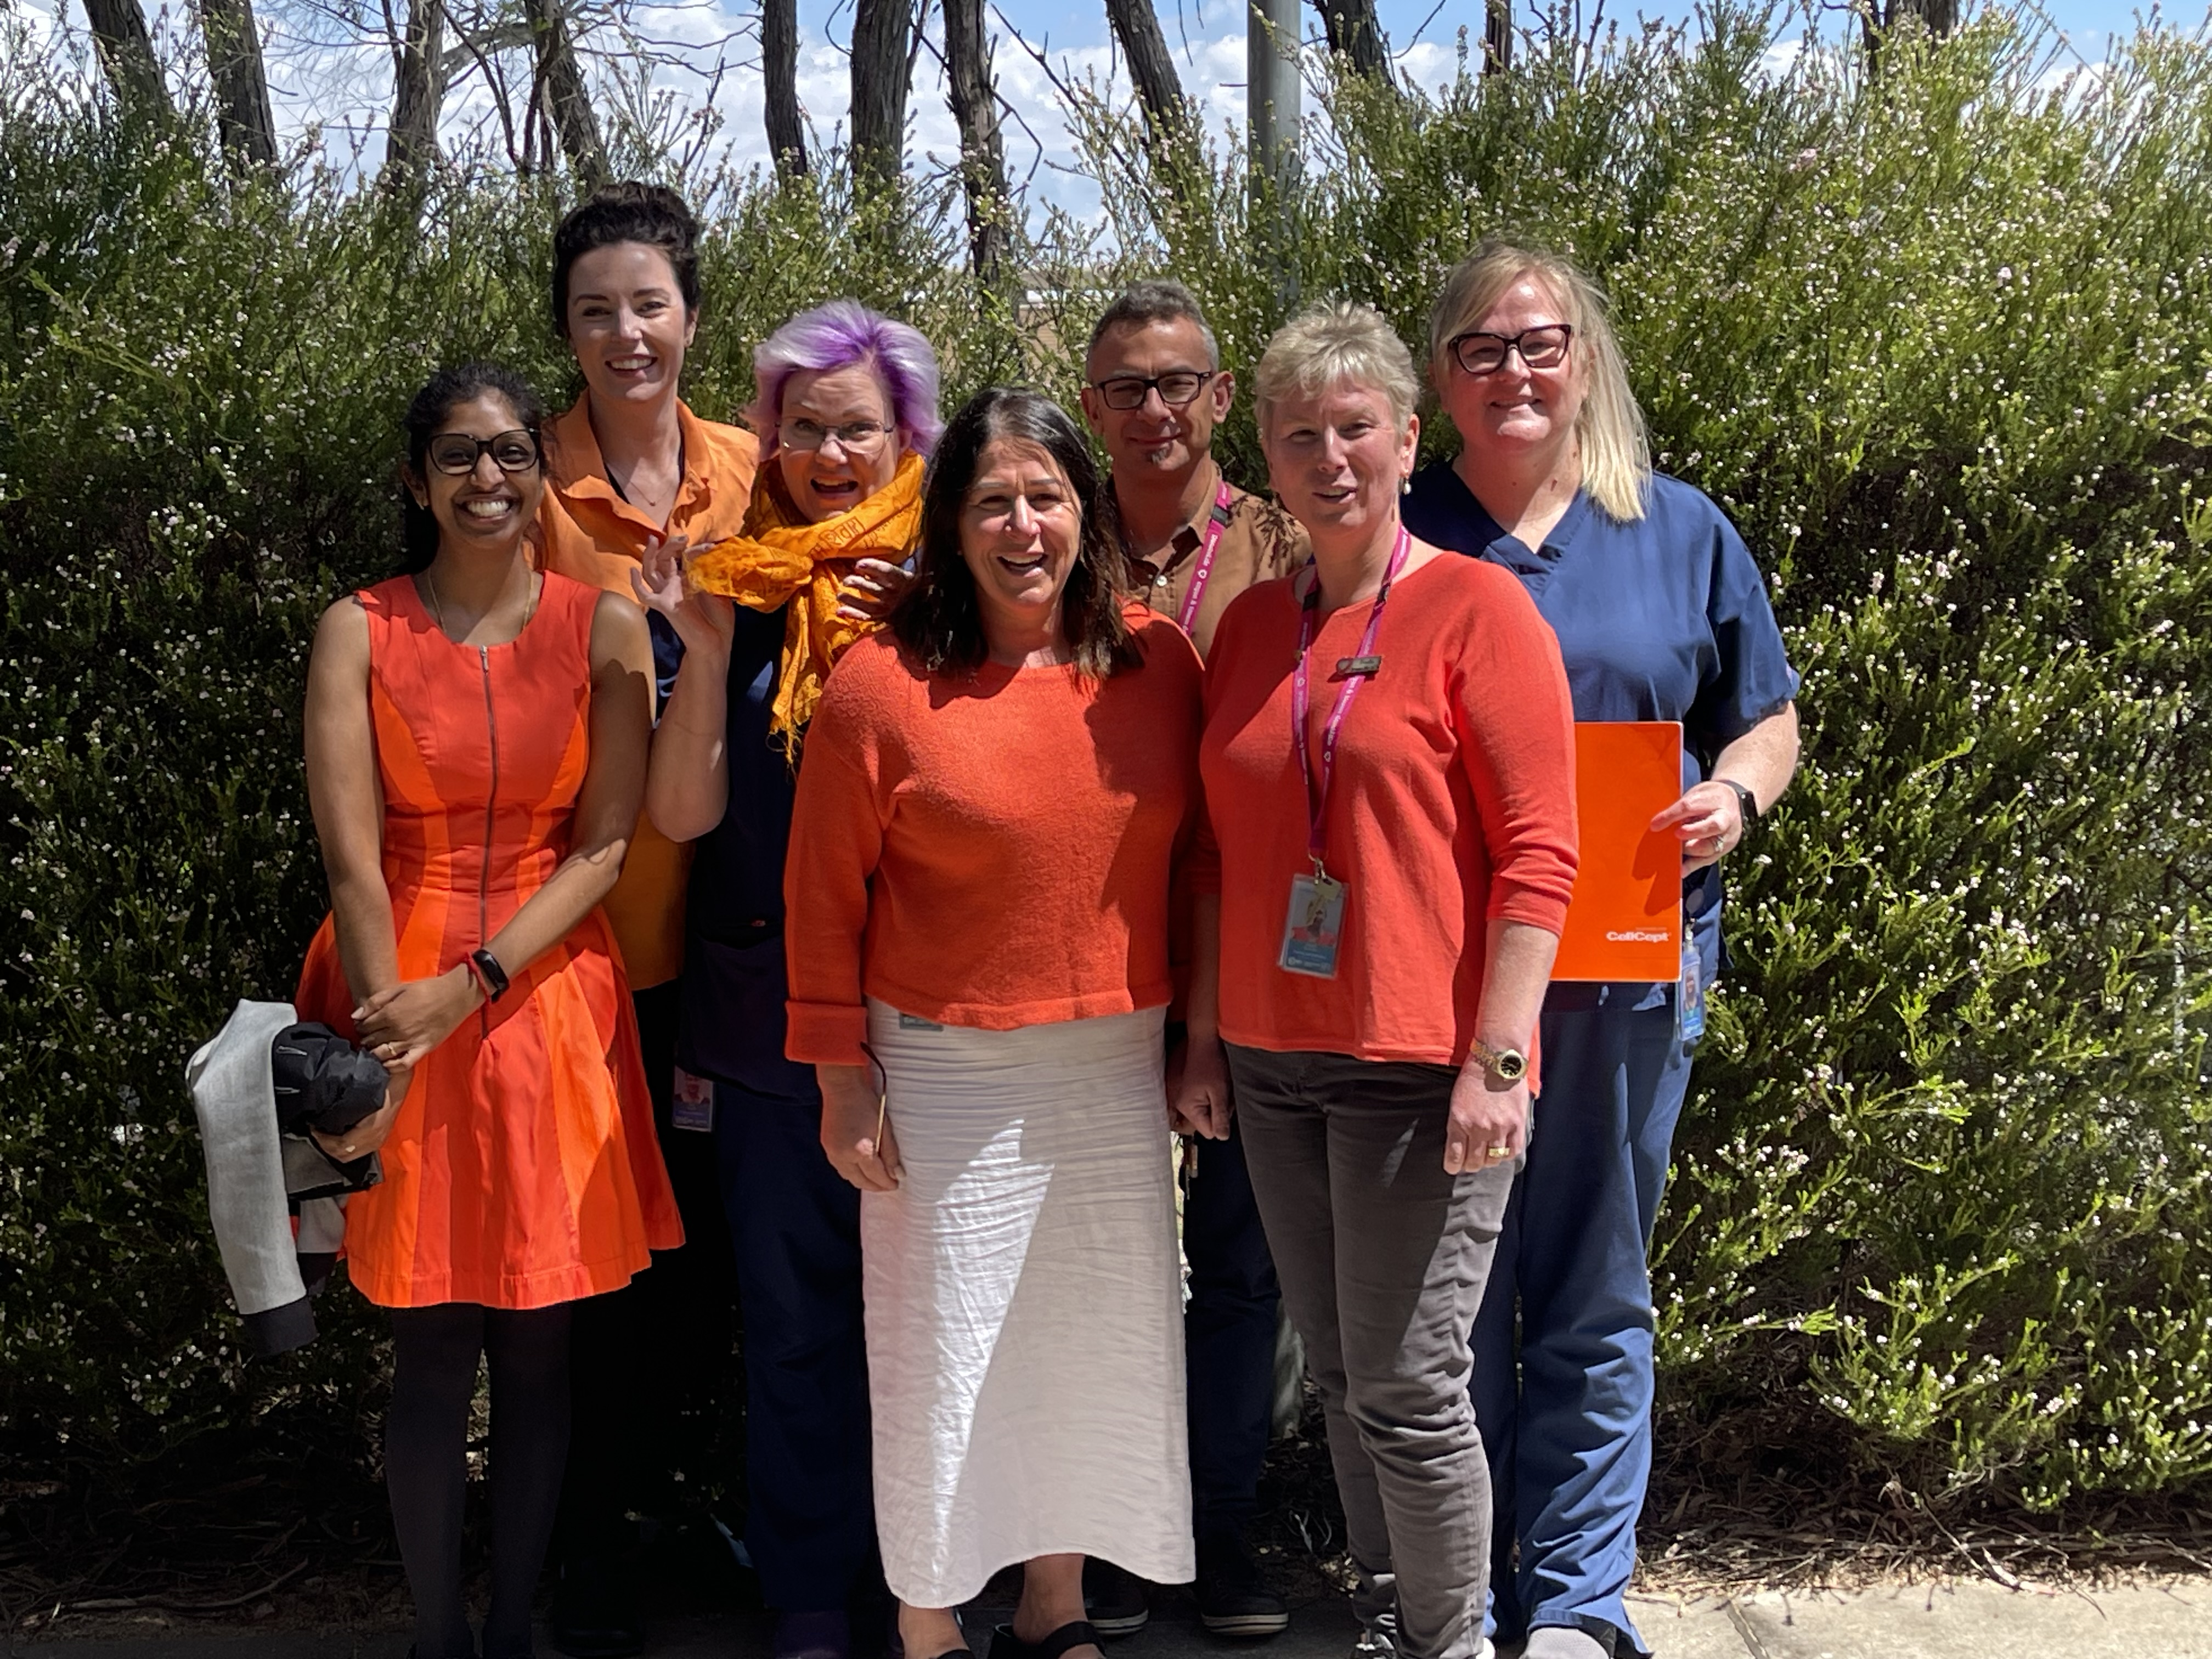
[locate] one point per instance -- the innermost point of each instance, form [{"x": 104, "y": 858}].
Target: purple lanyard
[
  {"x": 1302, "y": 695},
  {"x": 1216, "y": 524}
]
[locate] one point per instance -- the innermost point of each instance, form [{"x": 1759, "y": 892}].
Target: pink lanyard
[
  {"x": 1216, "y": 525},
  {"x": 1356, "y": 671}
]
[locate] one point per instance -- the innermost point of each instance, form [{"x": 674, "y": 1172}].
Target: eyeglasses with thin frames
[
  {"x": 456, "y": 453},
  {"x": 1542, "y": 347},
  {"x": 1177, "y": 387},
  {"x": 855, "y": 437}
]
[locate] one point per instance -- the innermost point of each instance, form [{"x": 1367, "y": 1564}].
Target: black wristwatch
[
  {"x": 493, "y": 975},
  {"x": 1745, "y": 800}
]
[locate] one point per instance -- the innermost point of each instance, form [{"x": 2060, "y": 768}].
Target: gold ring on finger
[{"x": 1499, "y": 1151}]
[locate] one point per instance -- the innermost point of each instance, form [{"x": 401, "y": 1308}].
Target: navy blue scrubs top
[
  {"x": 1664, "y": 619},
  {"x": 733, "y": 985}
]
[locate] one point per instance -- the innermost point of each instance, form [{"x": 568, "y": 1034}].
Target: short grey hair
[
  {"x": 1155, "y": 300},
  {"x": 1348, "y": 342}
]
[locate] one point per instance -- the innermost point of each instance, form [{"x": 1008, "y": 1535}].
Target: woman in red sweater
[
  {"x": 992, "y": 796},
  {"x": 1388, "y": 762}
]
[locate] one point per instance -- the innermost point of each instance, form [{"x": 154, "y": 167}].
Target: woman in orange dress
[{"x": 475, "y": 736}]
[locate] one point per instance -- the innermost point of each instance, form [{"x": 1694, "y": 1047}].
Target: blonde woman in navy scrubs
[{"x": 1661, "y": 615}]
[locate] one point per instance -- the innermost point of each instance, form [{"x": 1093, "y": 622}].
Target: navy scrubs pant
[
  {"x": 1569, "y": 1427},
  {"x": 795, "y": 1226},
  {"x": 1228, "y": 1338}
]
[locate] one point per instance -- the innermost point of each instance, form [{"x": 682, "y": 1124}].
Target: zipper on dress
[{"x": 483, "y": 869}]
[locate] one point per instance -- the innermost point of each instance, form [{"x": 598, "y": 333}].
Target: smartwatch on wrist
[
  {"x": 1746, "y": 803},
  {"x": 488, "y": 970}
]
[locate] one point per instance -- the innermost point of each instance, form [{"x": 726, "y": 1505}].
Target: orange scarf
[{"x": 779, "y": 559}]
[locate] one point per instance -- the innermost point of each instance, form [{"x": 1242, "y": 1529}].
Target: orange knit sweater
[
  {"x": 990, "y": 852},
  {"x": 1454, "y": 806}
]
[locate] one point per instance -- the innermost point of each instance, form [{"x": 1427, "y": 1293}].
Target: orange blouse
[{"x": 590, "y": 532}]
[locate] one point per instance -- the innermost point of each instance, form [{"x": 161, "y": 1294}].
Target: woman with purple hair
[{"x": 847, "y": 413}]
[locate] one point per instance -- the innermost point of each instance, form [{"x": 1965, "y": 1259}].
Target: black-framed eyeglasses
[
  {"x": 855, "y": 437},
  {"x": 1543, "y": 347},
  {"x": 1177, "y": 388},
  {"x": 454, "y": 454}
]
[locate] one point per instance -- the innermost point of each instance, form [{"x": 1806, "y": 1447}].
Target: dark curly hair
[
  {"x": 430, "y": 409},
  {"x": 940, "y": 621},
  {"x": 631, "y": 211}
]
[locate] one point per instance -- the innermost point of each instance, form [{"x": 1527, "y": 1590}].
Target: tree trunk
[
  {"x": 1498, "y": 37},
  {"x": 1939, "y": 17},
  {"x": 1159, "y": 89},
  {"x": 881, "y": 40},
  {"x": 410, "y": 144},
  {"x": 1354, "y": 33},
  {"x": 126, "y": 54},
  {"x": 241, "y": 89},
  {"x": 982, "y": 155},
  {"x": 786, "y": 137},
  {"x": 566, "y": 98}
]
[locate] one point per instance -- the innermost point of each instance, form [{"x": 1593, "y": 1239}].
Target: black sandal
[{"x": 1005, "y": 1644}]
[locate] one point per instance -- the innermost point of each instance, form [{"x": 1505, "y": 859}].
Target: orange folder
[{"x": 1624, "y": 920}]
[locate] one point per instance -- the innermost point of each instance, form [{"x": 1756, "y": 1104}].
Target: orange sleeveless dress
[{"x": 522, "y": 1170}]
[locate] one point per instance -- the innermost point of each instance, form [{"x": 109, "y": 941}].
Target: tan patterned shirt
[{"x": 1259, "y": 542}]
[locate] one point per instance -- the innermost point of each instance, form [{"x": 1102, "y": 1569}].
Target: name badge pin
[{"x": 1358, "y": 667}]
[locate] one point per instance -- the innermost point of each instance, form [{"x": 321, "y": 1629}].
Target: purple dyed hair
[{"x": 842, "y": 332}]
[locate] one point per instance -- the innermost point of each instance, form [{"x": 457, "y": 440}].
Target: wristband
[
  {"x": 1746, "y": 803},
  {"x": 487, "y": 968}
]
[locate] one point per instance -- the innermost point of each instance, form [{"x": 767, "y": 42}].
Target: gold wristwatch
[{"x": 1506, "y": 1064}]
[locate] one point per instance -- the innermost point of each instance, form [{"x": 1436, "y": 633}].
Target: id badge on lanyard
[{"x": 1313, "y": 921}]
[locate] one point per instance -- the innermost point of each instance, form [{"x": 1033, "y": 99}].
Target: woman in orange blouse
[
  {"x": 993, "y": 794},
  {"x": 476, "y": 735}
]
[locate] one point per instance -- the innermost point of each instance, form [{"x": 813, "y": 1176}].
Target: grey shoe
[{"x": 1565, "y": 1642}]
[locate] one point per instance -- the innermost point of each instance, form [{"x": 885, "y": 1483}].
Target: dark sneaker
[
  {"x": 1232, "y": 1598},
  {"x": 596, "y": 1613},
  {"x": 1113, "y": 1601}
]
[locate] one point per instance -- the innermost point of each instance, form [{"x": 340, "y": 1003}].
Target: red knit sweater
[
  {"x": 1454, "y": 804},
  {"x": 990, "y": 852}
]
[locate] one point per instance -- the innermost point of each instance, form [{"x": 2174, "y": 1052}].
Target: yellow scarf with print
[{"x": 781, "y": 560}]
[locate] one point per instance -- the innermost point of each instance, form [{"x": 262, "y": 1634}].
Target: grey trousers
[{"x": 1382, "y": 1258}]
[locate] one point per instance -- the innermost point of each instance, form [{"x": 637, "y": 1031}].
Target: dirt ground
[{"x": 291, "y": 1533}]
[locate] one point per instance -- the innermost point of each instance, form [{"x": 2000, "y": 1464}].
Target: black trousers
[{"x": 650, "y": 1362}]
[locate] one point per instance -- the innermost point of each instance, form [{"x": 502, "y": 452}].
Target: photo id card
[
  {"x": 694, "y": 1103},
  {"x": 1690, "y": 994},
  {"x": 1313, "y": 927}
]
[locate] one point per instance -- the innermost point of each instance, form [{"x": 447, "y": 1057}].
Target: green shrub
[{"x": 1940, "y": 337}]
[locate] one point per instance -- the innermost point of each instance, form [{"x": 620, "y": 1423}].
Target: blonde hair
[
  {"x": 1344, "y": 342},
  {"x": 1616, "y": 452}
]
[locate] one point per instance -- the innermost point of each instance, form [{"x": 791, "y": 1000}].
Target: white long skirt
[{"x": 1023, "y": 1311}]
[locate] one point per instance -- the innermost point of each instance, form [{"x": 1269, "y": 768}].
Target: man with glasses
[{"x": 1154, "y": 390}]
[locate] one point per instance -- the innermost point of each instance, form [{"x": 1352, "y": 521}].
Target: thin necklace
[{"x": 438, "y": 610}]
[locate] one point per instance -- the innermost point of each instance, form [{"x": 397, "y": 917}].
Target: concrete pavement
[{"x": 2167, "y": 1619}]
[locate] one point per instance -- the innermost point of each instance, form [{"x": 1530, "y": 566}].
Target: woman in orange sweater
[
  {"x": 993, "y": 796},
  {"x": 1393, "y": 798}
]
